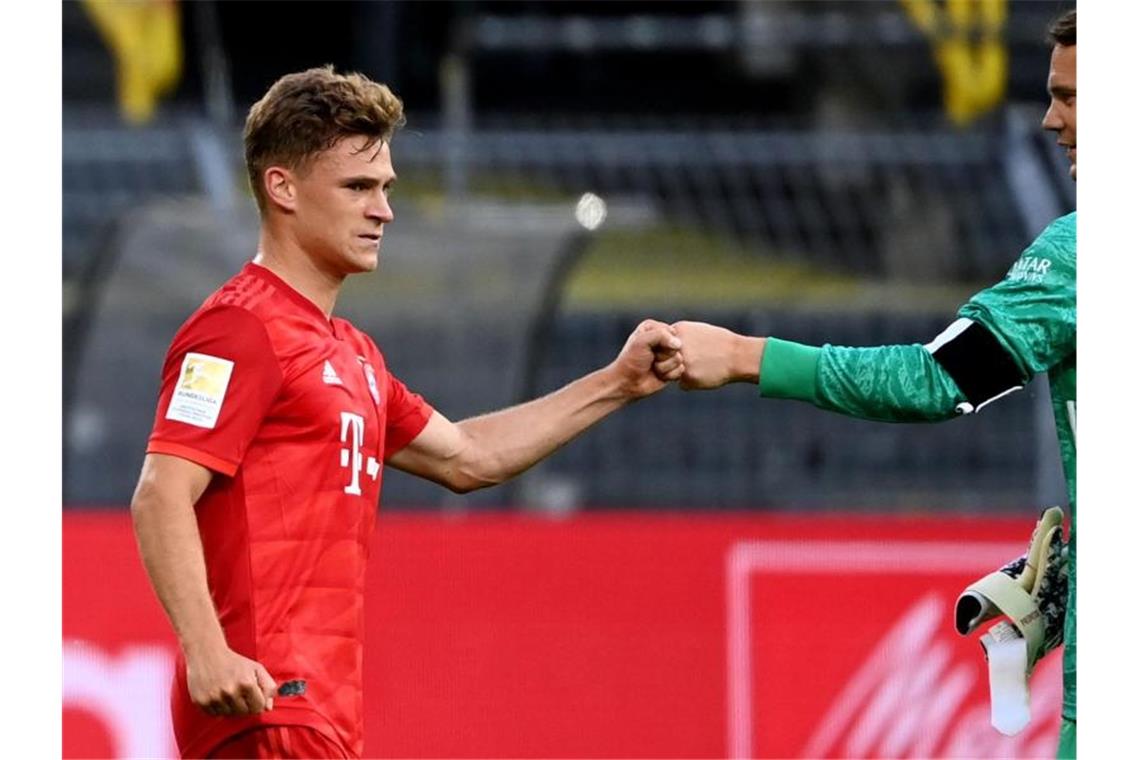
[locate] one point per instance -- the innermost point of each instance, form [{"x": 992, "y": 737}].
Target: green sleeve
[
  {"x": 1033, "y": 311},
  {"x": 885, "y": 383}
]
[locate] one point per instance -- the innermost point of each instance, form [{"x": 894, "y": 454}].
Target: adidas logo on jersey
[{"x": 329, "y": 374}]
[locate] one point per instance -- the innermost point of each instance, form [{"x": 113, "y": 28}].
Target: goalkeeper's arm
[{"x": 960, "y": 371}]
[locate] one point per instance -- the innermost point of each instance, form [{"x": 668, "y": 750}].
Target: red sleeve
[
  {"x": 408, "y": 413},
  {"x": 219, "y": 378}
]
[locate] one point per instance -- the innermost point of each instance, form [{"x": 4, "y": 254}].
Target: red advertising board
[{"x": 606, "y": 635}]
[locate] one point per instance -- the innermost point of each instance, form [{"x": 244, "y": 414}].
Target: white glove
[{"x": 1031, "y": 592}]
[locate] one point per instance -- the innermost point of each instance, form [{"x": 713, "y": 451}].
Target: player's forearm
[
  {"x": 171, "y": 549},
  {"x": 505, "y": 443},
  {"x": 900, "y": 383}
]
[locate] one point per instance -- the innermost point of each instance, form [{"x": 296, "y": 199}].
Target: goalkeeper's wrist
[
  {"x": 788, "y": 370},
  {"x": 747, "y": 354}
]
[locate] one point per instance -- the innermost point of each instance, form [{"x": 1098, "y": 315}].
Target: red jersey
[{"x": 295, "y": 413}]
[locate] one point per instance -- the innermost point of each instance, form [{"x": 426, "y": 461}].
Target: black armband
[{"x": 983, "y": 370}]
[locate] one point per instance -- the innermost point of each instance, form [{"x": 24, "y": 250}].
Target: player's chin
[{"x": 363, "y": 261}]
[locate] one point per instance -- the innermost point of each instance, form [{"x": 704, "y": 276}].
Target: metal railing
[{"x": 897, "y": 206}]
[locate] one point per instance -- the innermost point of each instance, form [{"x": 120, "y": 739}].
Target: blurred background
[{"x": 842, "y": 172}]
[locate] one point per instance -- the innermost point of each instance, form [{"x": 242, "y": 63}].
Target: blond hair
[{"x": 306, "y": 113}]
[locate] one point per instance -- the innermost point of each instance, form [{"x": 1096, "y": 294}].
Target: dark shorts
[{"x": 279, "y": 741}]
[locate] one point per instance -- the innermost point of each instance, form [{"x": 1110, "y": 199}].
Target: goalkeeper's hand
[{"x": 1031, "y": 590}]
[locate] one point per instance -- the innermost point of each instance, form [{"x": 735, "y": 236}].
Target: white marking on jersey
[
  {"x": 370, "y": 375},
  {"x": 352, "y": 433},
  {"x": 329, "y": 374},
  {"x": 1003, "y": 394},
  {"x": 950, "y": 333}
]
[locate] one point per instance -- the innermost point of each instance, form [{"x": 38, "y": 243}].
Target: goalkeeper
[{"x": 1003, "y": 336}]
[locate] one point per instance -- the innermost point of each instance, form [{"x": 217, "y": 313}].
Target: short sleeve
[
  {"x": 218, "y": 381},
  {"x": 1033, "y": 311},
  {"x": 408, "y": 414}
]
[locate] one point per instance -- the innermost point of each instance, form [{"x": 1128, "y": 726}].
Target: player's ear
[{"x": 280, "y": 187}]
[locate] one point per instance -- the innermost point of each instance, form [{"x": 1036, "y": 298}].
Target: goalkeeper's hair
[
  {"x": 1063, "y": 30},
  {"x": 308, "y": 112}
]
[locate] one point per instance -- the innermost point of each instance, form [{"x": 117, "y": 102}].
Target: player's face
[
  {"x": 342, "y": 205},
  {"x": 1062, "y": 114}
]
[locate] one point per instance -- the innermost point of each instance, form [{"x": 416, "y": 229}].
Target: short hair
[
  {"x": 308, "y": 112},
  {"x": 1063, "y": 30}
]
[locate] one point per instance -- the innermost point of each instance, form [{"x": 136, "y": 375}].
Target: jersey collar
[{"x": 264, "y": 273}]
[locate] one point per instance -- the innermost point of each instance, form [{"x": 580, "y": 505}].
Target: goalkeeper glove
[{"x": 1031, "y": 592}]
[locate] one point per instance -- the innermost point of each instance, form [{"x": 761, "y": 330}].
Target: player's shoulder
[
  {"x": 245, "y": 290},
  {"x": 231, "y": 312},
  {"x": 1066, "y": 224},
  {"x": 223, "y": 323},
  {"x": 1059, "y": 238},
  {"x": 255, "y": 294},
  {"x": 1051, "y": 259}
]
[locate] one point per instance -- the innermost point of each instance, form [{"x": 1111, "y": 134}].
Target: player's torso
[
  {"x": 322, "y": 438},
  {"x": 287, "y": 537}
]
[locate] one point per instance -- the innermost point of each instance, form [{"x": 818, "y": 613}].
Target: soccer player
[
  {"x": 1003, "y": 336},
  {"x": 274, "y": 421}
]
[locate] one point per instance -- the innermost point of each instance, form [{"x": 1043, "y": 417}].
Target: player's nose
[
  {"x": 380, "y": 209},
  {"x": 1051, "y": 122}
]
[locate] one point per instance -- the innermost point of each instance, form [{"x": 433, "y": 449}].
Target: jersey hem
[{"x": 212, "y": 736}]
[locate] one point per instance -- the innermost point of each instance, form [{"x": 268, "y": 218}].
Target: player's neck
[{"x": 282, "y": 256}]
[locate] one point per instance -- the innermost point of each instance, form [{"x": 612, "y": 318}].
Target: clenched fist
[
  {"x": 712, "y": 356},
  {"x": 222, "y": 682},
  {"x": 649, "y": 360}
]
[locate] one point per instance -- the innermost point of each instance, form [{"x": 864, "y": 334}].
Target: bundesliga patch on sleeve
[{"x": 200, "y": 390}]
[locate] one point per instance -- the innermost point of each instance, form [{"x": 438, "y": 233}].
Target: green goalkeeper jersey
[{"x": 1031, "y": 313}]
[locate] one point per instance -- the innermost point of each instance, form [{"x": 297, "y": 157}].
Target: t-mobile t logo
[{"x": 352, "y": 433}]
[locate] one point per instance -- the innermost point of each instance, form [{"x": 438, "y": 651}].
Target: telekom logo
[{"x": 351, "y": 457}]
